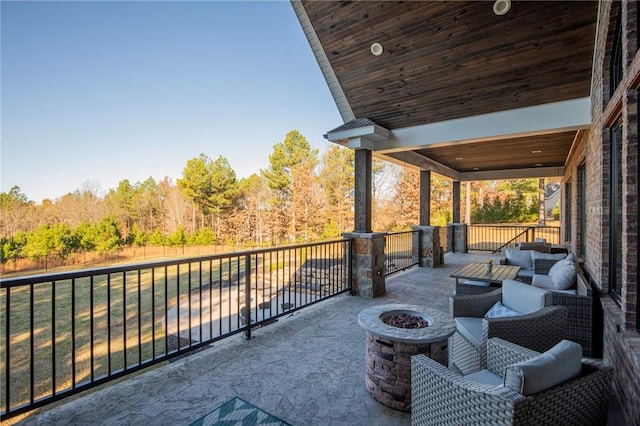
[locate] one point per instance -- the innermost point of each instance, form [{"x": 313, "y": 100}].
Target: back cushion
[
  {"x": 521, "y": 258},
  {"x": 559, "y": 364},
  {"x": 522, "y": 297},
  {"x": 548, "y": 256},
  {"x": 563, "y": 275}
]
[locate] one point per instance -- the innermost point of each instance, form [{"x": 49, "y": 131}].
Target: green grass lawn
[
  {"x": 109, "y": 323},
  {"x": 124, "y": 311}
]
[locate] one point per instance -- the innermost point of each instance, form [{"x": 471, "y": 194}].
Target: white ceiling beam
[
  {"x": 420, "y": 162},
  {"x": 550, "y": 118},
  {"x": 538, "y": 172}
]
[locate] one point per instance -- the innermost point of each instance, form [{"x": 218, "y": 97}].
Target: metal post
[{"x": 247, "y": 295}]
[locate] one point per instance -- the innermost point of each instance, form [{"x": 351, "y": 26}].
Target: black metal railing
[
  {"x": 67, "y": 332},
  {"x": 401, "y": 251},
  {"x": 497, "y": 237}
]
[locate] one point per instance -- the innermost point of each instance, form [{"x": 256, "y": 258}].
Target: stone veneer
[
  {"x": 389, "y": 351},
  {"x": 430, "y": 247},
  {"x": 457, "y": 237},
  {"x": 368, "y": 263}
]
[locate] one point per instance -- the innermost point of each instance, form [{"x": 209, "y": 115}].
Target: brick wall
[
  {"x": 621, "y": 340},
  {"x": 622, "y": 350}
]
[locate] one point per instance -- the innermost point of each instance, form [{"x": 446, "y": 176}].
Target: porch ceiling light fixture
[
  {"x": 377, "y": 49},
  {"x": 500, "y": 7}
]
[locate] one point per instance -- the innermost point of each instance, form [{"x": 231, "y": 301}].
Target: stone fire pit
[{"x": 389, "y": 350}]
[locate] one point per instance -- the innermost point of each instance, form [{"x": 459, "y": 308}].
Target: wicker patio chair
[
  {"x": 440, "y": 396},
  {"x": 579, "y": 305},
  {"x": 539, "y": 327}
]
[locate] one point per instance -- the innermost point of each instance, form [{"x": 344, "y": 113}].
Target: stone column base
[
  {"x": 368, "y": 263},
  {"x": 430, "y": 250}
]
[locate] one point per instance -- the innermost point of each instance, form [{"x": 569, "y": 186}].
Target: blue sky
[{"x": 97, "y": 92}]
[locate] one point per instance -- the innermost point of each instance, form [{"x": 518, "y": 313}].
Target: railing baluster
[
  {"x": 210, "y": 299},
  {"x": 166, "y": 310},
  {"x": 247, "y": 295},
  {"x": 73, "y": 333},
  {"x": 153, "y": 313},
  {"x": 178, "y": 304},
  {"x": 189, "y": 302},
  {"x": 53, "y": 337},
  {"x": 7, "y": 351},
  {"x": 31, "y": 342},
  {"x": 91, "y": 331},
  {"x": 139, "y": 317},
  {"x": 109, "y": 323},
  {"x": 124, "y": 321},
  {"x": 200, "y": 297}
]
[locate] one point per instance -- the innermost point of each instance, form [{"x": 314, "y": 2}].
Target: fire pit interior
[
  {"x": 391, "y": 346},
  {"x": 404, "y": 319}
]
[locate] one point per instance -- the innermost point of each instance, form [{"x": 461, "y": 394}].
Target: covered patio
[
  {"x": 532, "y": 90},
  {"x": 307, "y": 369}
]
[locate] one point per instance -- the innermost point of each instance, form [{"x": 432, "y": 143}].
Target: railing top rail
[
  {"x": 402, "y": 232},
  {"x": 483, "y": 225},
  {"x": 61, "y": 276}
]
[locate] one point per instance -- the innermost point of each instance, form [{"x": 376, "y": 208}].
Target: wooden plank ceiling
[{"x": 448, "y": 60}]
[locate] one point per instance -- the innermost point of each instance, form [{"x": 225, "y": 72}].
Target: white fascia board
[
  {"x": 372, "y": 132},
  {"x": 538, "y": 172},
  {"x": 361, "y": 143},
  {"x": 555, "y": 117},
  {"x": 323, "y": 62}
]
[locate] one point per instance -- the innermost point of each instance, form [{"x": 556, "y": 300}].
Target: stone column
[
  {"x": 368, "y": 263},
  {"x": 459, "y": 237},
  {"x": 450, "y": 238},
  {"x": 430, "y": 250}
]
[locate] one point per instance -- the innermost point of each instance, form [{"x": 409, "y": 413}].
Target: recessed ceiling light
[
  {"x": 476, "y": 168},
  {"x": 538, "y": 164},
  {"x": 500, "y": 7},
  {"x": 459, "y": 158},
  {"x": 536, "y": 151},
  {"x": 377, "y": 49}
]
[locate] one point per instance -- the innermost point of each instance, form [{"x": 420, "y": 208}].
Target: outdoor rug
[{"x": 237, "y": 411}]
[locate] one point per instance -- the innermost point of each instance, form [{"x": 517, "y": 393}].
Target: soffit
[{"x": 449, "y": 60}]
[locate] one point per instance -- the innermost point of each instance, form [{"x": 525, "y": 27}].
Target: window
[
  {"x": 615, "y": 66},
  {"x": 582, "y": 210},
  {"x": 615, "y": 218},
  {"x": 567, "y": 211}
]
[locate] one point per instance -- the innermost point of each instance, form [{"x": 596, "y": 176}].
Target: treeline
[{"x": 300, "y": 197}]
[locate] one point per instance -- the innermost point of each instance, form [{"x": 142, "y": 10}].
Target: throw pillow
[
  {"x": 521, "y": 258},
  {"x": 554, "y": 268},
  {"x": 559, "y": 364},
  {"x": 500, "y": 311},
  {"x": 564, "y": 276}
]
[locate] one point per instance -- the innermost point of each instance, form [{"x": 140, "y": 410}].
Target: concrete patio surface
[{"x": 307, "y": 368}]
